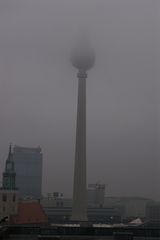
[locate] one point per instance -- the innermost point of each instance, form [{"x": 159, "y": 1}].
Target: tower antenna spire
[{"x": 10, "y": 151}]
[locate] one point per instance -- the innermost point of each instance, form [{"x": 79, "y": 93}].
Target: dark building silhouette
[{"x": 28, "y": 167}]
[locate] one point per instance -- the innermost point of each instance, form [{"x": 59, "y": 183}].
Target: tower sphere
[{"x": 83, "y": 58}]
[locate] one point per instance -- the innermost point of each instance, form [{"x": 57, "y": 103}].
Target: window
[
  {"x": 14, "y": 197},
  {"x": 59, "y": 204},
  {"x": 4, "y": 198}
]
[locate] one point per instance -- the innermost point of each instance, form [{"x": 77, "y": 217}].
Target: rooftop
[{"x": 30, "y": 213}]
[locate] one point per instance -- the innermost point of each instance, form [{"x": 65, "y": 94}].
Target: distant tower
[
  {"x": 8, "y": 191},
  {"x": 9, "y": 175},
  {"x": 83, "y": 59}
]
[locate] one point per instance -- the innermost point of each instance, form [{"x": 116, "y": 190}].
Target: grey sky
[{"x": 38, "y": 89}]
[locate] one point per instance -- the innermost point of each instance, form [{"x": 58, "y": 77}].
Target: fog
[{"x": 38, "y": 90}]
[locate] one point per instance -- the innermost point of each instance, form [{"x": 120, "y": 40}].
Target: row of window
[
  {"x": 4, "y": 197},
  {"x": 4, "y": 209},
  {"x": 59, "y": 204}
]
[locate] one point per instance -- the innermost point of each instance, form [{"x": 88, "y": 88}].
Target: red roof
[{"x": 30, "y": 213}]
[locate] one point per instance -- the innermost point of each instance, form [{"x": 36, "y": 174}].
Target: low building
[
  {"x": 95, "y": 215},
  {"x": 131, "y": 207},
  {"x": 51, "y": 201},
  {"x": 153, "y": 211},
  {"x": 59, "y": 209}
]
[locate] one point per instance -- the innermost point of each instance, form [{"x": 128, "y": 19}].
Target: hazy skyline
[{"x": 38, "y": 90}]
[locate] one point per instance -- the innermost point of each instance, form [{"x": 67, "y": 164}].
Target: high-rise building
[
  {"x": 96, "y": 195},
  {"x": 28, "y": 168},
  {"x": 8, "y": 191}
]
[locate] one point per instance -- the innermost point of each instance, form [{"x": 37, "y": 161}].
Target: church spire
[
  {"x": 9, "y": 175},
  {"x": 10, "y": 152}
]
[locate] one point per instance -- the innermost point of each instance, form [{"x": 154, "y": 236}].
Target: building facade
[
  {"x": 153, "y": 211},
  {"x": 96, "y": 195},
  {"x": 28, "y": 168},
  {"x": 59, "y": 210},
  {"x": 130, "y": 207},
  {"x": 8, "y": 191},
  {"x": 8, "y": 203}
]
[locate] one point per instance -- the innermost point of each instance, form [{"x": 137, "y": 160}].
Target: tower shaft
[{"x": 79, "y": 210}]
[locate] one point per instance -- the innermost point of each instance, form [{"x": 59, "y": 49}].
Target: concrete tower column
[{"x": 79, "y": 211}]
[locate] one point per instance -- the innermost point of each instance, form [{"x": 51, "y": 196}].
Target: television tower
[{"x": 83, "y": 59}]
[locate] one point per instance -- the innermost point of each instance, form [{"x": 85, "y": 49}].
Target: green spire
[
  {"x": 9, "y": 175},
  {"x": 10, "y": 151}
]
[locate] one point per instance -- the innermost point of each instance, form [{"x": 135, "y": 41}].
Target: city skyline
[{"x": 38, "y": 91}]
